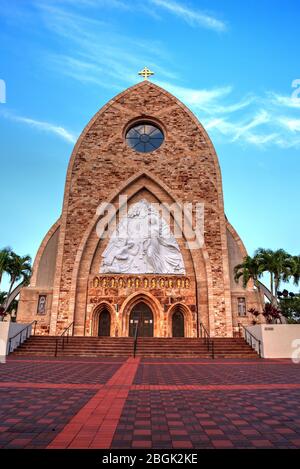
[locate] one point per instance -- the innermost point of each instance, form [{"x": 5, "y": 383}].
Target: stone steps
[{"x": 123, "y": 347}]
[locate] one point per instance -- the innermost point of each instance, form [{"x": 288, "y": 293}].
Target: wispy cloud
[
  {"x": 241, "y": 131},
  {"x": 81, "y": 70},
  {"x": 261, "y": 130},
  {"x": 292, "y": 124},
  {"x": 201, "y": 98},
  {"x": 254, "y": 120},
  {"x": 259, "y": 119},
  {"x": 93, "y": 51},
  {"x": 42, "y": 126},
  {"x": 191, "y": 16},
  {"x": 282, "y": 100},
  {"x": 210, "y": 101}
]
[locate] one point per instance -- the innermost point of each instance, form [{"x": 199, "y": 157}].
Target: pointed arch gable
[
  {"x": 118, "y": 101},
  {"x": 200, "y": 262},
  {"x": 100, "y": 142},
  {"x": 131, "y": 187}
]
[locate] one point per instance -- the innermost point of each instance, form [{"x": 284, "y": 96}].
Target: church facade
[{"x": 109, "y": 273}]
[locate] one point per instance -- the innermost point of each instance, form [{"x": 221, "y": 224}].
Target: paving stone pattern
[{"x": 159, "y": 403}]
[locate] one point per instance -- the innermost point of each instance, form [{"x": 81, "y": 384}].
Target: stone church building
[{"x": 148, "y": 146}]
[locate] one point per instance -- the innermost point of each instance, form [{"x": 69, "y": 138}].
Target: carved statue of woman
[
  {"x": 142, "y": 243},
  {"x": 162, "y": 254}
]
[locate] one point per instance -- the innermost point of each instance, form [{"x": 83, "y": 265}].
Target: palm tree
[
  {"x": 279, "y": 264},
  {"x": 4, "y": 260},
  {"x": 296, "y": 269},
  {"x": 249, "y": 269},
  {"x": 19, "y": 267},
  {"x": 3, "y": 296}
]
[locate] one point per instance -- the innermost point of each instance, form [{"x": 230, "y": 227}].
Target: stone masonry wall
[{"x": 102, "y": 162}]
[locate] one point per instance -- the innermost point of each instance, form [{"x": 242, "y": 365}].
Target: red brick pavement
[
  {"x": 149, "y": 404},
  {"x": 210, "y": 419},
  {"x": 59, "y": 371},
  {"x": 31, "y": 418},
  {"x": 17, "y": 385},
  {"x": 211, "y": 387},
  {"x": 217, "y": 373},
  {"x": 95, "y": 424}
]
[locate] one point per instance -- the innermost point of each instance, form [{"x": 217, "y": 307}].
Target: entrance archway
[
  {"x": 177, "y": 324},
  {"x": 104, "y": 324},
  {"x": 181, "y": 322},
  {"x": 141, "y": 316}
]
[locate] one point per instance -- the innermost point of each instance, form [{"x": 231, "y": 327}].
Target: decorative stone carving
[
  {"x": 135, "y": 282},
  {"x": 142, "y": 244}
]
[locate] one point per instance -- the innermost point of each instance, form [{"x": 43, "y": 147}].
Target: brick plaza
[{"x": 149, "y": 403}]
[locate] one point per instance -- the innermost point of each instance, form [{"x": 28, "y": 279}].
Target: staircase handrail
[
  {"x": 207, "y": 340},
  {"x": 63, "y": 336},
  {"x": 252, "y": 336},
  {"x": 136, "y": 333},
  {"x": 203, "y": 331},
  {"x": 20, "y": 334}
]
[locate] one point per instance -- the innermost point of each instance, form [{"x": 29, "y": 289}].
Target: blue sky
[{"x": 233, "y": 63}]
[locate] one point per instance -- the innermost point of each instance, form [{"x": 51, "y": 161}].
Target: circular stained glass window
[{"x": 144, "y": 137}]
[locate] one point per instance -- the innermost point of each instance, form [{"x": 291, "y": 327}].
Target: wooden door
[
  {"x": 178, "y": 324},
  {"x": 142, "y": 315},
  {"x": 104, "y": 324}
]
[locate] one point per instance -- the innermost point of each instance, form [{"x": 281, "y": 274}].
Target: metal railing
[
  {"x": 20, "y": 333},
  {"x": 251, "y": 339},
  {"x": 136, "y": 333},
  {"x": 209, "y": 342},
  {"x": 64, "y": 336}
]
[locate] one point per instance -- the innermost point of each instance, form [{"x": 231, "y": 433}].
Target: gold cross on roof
[{"x": 146, "y": 73}]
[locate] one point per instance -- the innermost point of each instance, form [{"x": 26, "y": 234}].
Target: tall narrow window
[{"x": 242, "y": 307}]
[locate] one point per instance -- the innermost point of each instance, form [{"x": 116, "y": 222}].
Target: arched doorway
[
  {"x": 104, "y": 324},
  {"x": 142, "y": 315},
  {"x": 177, "y": 324}
]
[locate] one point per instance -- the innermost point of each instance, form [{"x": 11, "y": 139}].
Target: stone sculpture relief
[{"x": 142, "y": 244}]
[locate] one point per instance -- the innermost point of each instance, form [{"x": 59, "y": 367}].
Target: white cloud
[
  {"x": 253, "y": 120},
  {"x": 208, "y": 100},
  {"x": 241, "y": 131},
  {"x": 261, "y": 118},
  {"x": 43, "y": 126},
  {"x": 292, "y": 124},
  {"x": 262, "y": 140},
  {"x": 93, "y": 52},
  {"x": 201, "y": 98},
  {"x": 285, "y": 101},
  {"x": 81, "y": 70},
  {"x": 262, "y": 130},
  {"x": 192, "y": 17}
]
